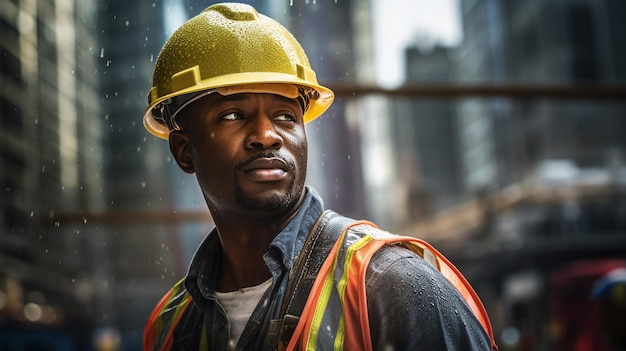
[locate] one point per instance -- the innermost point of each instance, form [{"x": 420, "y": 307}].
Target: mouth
[{"x": 266, "y": 169}]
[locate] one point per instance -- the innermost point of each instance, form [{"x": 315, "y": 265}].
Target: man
[{"x": 232, "y": 91}]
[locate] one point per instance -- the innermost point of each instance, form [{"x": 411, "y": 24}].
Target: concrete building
[
  {"x": 51, "y": 161},
  {"x": 560, "y": 159}
]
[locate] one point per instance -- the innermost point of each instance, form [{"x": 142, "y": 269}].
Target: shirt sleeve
[{"x": 411, "y": 306}]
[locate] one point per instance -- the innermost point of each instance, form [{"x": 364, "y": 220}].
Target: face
[{"x": 248, "y": 151}]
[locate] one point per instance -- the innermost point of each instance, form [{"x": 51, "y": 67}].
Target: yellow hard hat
[{"x": 230, "y": 48}]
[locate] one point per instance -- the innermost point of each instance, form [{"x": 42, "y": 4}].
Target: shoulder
[
  {"x": 413, "y": 306},
  {"x": 397, "y": 265}
]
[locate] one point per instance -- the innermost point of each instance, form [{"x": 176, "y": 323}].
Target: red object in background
[{"x": 572, "y": 309}]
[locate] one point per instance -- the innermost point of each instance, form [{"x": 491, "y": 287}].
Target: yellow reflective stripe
[
  {"x": 180, "y": 308},
  {"x": 169, "y": 315},
  {"x": 204, "y": 343},
  {"x": 327, "y": 291},
  {"x": 320, "y": 307},
  {"x": 341, "y": 332}
]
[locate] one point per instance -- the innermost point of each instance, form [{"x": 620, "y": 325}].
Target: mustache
[{"x": 291, "y": 164}]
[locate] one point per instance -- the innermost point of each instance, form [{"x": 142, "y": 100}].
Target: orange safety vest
[
  {"x": 337, "y": 303},
  {"x": 159, "y": 331}
]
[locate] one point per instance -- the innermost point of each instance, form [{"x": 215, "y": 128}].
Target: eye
[
  {"x": 232, "y": 116},
  {"x": 285, "y": 117}
]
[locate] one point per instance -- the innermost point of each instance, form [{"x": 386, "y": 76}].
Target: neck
[{"x": 245, "y": 239}]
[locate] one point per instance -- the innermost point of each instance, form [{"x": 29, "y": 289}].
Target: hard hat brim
[{"x": 247, "y": 81}]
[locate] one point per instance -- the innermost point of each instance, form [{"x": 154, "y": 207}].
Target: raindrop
[
  {"x": 101, "y": 52},
  {"x": 126, "y": 23}
]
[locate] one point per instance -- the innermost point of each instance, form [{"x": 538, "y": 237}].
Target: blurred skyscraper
[
  {"x": 51, "y": 160},
  {"x": 549, "y": 43}
]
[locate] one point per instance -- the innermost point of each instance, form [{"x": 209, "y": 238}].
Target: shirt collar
[
  {"x": 289, "y": 242},
  {"x": 283, "y": 251}
]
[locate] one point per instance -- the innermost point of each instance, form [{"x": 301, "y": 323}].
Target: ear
[{"x": 180, "y": 148}]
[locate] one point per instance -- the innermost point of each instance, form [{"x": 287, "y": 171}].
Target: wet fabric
[{"x": 411, "y": 306}]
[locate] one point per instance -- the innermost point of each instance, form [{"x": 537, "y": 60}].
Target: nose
[{"x": 263, "y": 134}]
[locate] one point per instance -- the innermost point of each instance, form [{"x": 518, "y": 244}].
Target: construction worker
[{"x": 232, "y": 91}]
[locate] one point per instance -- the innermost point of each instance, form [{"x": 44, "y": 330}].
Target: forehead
[
  {"x": 215, "y": 99},
  {"x": 246, "y": 102}
]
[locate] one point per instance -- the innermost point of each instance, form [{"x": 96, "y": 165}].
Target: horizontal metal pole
[
  {"x": 131, "y": 217},
  {"x": 517, "y": 91}
]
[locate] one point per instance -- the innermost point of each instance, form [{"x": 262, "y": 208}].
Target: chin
[{"x": 274, "y": 201}]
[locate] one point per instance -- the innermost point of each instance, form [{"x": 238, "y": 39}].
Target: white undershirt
[{"x": 239, "y": 305}]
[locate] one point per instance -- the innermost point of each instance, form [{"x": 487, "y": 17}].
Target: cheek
[
  {"x": 303, "y": 154},
  {"x": 300, "y": 152},
  {"x": 212, "y": 161}
]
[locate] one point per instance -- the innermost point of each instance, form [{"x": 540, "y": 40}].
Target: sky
[{"x": 397, "y": 24}]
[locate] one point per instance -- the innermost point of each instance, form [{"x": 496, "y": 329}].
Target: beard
[
  {"x": 277, "y": 201},
  {"x": 272, "y": 203}
]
